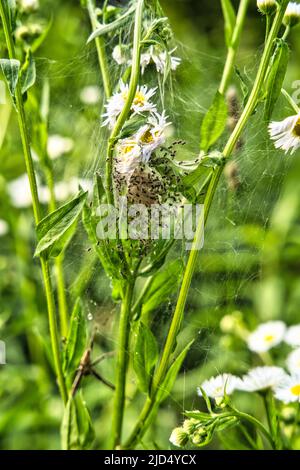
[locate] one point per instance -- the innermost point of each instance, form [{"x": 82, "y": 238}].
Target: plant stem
[
  {"x": 144, "y": 419},
  {"x": 60, "y": 278},
  {"x": 290, "y": 100},
  {"x": 134, "y": 78},
  {"x": 233, "y": 48},
  {"x": 122, "y": 363},
  {"x": 256, "y": 423},
  {"x": 272, "y": 418},
  {"x": 36, "y": 207},
  {"x": 100, "y": 46}
]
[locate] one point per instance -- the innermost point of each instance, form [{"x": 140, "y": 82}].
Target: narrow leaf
[
  {"x": 108, "y": 28},
  {"x": 167, "y": 385},
  {"x": 56, "y": 229},
  {"x": 145, "y": 356},
  {"x": 276, "y": 76},
  {"x": 10, "y": 69},
  {"x": 214, "y": 122},
  {"x": 28, "y": 72},
  {"x": 77, "y": 431}
]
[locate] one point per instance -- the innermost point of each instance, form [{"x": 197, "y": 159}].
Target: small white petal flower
[
  {"x": 128, "y": 156},
  {"x": 292, "y": 14},
  {"x": 266, "y": 6},
  {"x": 286, "y": 133},
  {"x": 292, "y": 335},
  {"x": 215, "y": 387},
  {"x": 141, "y": 103},
  {"x": 178, "y": 437},
  {"x": 266, "y": 336},
  {"x": 293, "y": 361},
  {"x": 152, "y": 135},
  {"x": 289, "y": 390},
  {"x": 261, "y": 378},
  {"x": 19, "y": 192},
  {"x": 90, "y": 95},
  {"x": 58, "y": 145},
  {"x": 145, "y": 60},
  {"x": 3, "y": 227},
  {"x": 120, "y": 54}
]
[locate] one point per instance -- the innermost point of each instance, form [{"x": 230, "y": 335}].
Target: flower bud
[
  {"x": 179, "y": 437},
  {"x": 292, "y": 14},
  {"x": 189, "y": 425},
  {"x": 266, "y": 7},
  {"x": 28, "y": 6}
]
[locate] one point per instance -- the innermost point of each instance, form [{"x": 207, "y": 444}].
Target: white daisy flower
[
  {"x": 160, "y": 58},
  {"x": 215, "y": 387},
  {"x": 289, "y": 390},
  {"x": 266, "y": 6},
  {"x": 292, "y": 14},
  {"x": 178, "y": 437},
  {"x": 292, "y": 335},
  {"x": 293, "y": 361},
  {"x": 58, "y": 145},
  {"x": 152, "y": 135},
  {"x": 19, "y": 192},
  {"x": 90, "y": 95},
  {"x": 266, "y": 336},
  {"x": 141, "y": 103},
  {"x": 120, "y": 54},
  {"x": 128, "y": 156},
  {"x": 286, "y": 133},
  {"x": 3, "y": 228},
  {"x": 261, "y": 378}
]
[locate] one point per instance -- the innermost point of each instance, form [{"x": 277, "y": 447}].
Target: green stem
[
  {"x": 286, "y": 32},
  {"x": 59, "y": 272},
  {"x": 134, "y": 78},
  {"x": 272, "y": 418},
  {"x": 256, "y": 423},
  {"x": 233, "y": 48},
  {"x": 290, "y": 100},
  {"x": 122, "y": 364},
  {"x": 144, "y": 420},
  {"x": 100, "y": 46},
  {"x": 36, "y": 207}
]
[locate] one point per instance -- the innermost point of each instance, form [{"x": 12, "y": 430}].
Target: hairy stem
[
  {"x": 100, "y": 46},
  {"x": 134, "y": 78},
  {"x": 122, "y": 363},
  {"x": 144, "y": 419},
  {"x": 36, "y": 208}
]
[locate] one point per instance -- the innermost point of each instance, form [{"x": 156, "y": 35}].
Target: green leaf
[
  {"x": 164, "y": 284},
  {"x": 214, "y": 122},
  {"x": 145, "y": 357},
  {"x": 77, "y": 430},
  {"x": 28, "y": 72},
  {"x": 108, "y": 28},
  {"x": 10, "y": 69},
  {"x": 229, "y": 20},
  {"x": 167, "y": 384},
  {"x": 56, "y": 229},
  {"x": 76, "y": 341},
  {"x": 276, "y": 76}
]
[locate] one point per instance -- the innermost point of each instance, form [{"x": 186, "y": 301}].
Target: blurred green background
[{"x": 250, "y": 262}]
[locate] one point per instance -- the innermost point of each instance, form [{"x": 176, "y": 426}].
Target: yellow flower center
[
  {"x": 269, "y": 338},
  {"x": 295, "y": 390},
  {"x": 296, "y": 130},
  {"x": 147, "y": 138},
  {"x": 139, "y": 99}
]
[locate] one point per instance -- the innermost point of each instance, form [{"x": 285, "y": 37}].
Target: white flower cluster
[
  {"x": 162, "y": 59},
  {"x": 286, "y": 387},
  {"x": 137, "y": 148}
]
